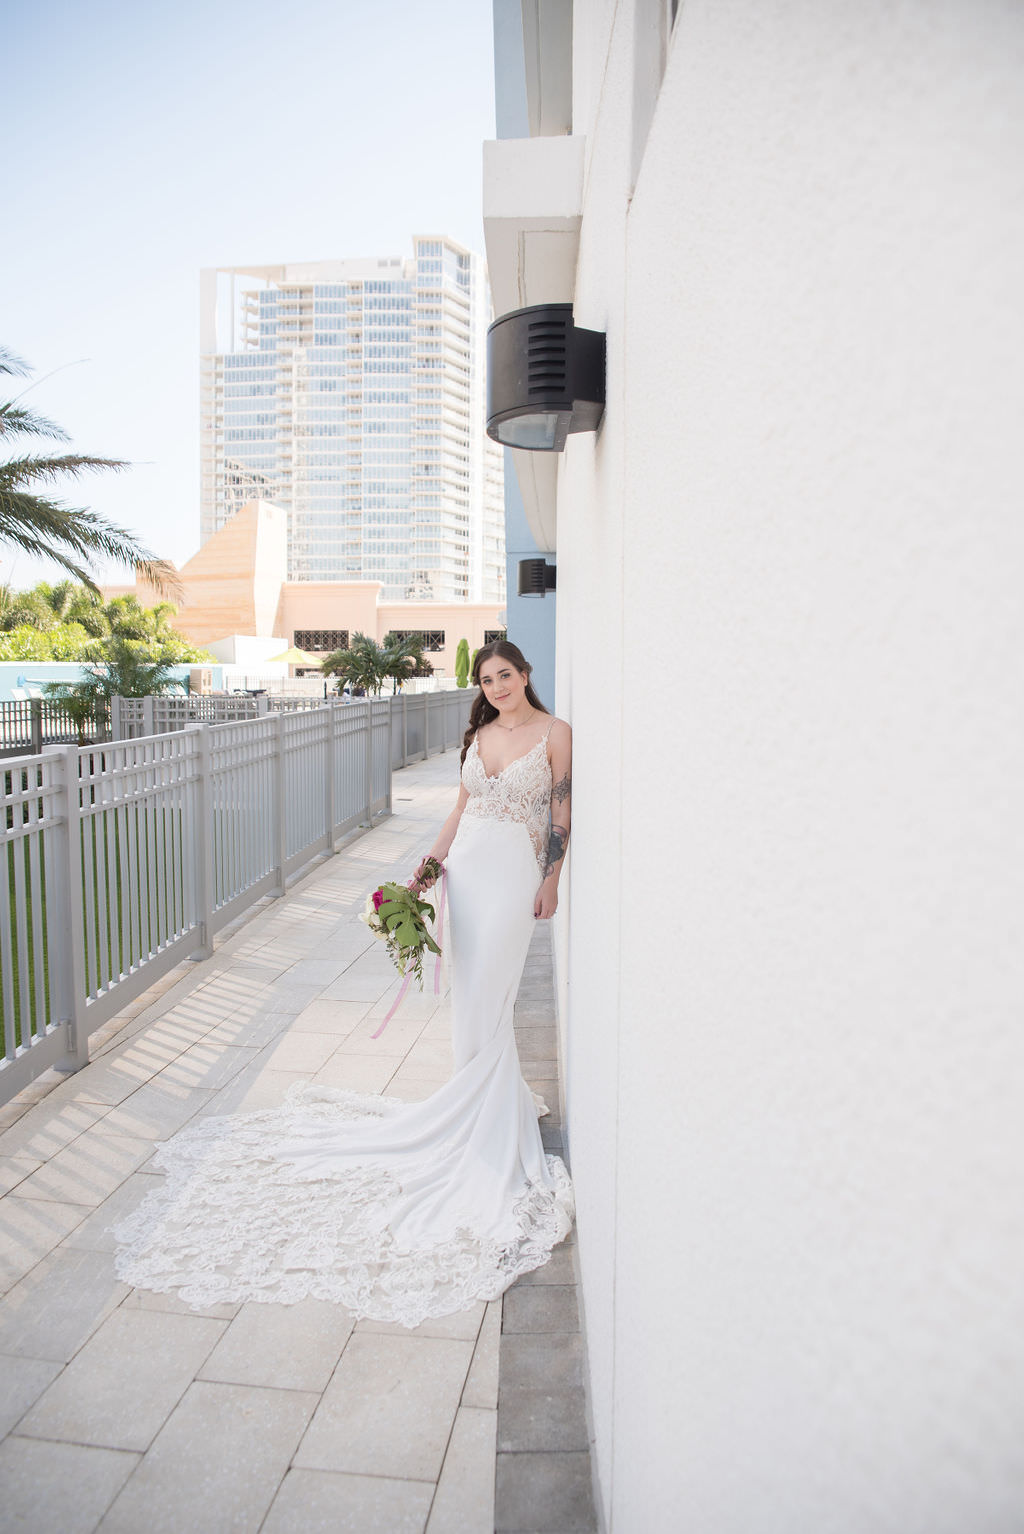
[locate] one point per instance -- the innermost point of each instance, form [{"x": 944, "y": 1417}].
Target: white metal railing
[
  {"x": 119, "y": 860},
  {"x": 28, "y": 725},
  {"x": 425, "y": 722},
  {"x": 134, "y": 717},
  {"x": 430, "y": 721}
]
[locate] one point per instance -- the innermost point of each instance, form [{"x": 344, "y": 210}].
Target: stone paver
[
  {"x": 59, "y": 1486},
  {"x": 390, "y": 1407},
  {"x": 325, "y": 1502},
  {"x": 482, "y": 1385},
  {"x": 544, "y": 1494},
  {"x": 118, "y": 1391},
  {"x": 29, "y": 1230},
  {"x": 88, "y": 1170},
  {"x": 465, "y": 1492},
  {"x": 128, "y": 1410},
  {"x": 22, "y": 1382},
  {"x": 216, "y": 1464},
  {"x": 292, "y": 1347},
  {"x": 57, "y": 1306},
  {"x": 543, "y": 1464}
]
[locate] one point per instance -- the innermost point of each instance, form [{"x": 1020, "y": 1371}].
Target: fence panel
[
  {"x": 119, "y": 859},
  {"x": 243, "y": 831},
  {"x": 304, "y": 734},
  {"x": 136, "y": 806},
  {"x": 30, "y": 790},
  {"x": 180, "y": 711},
  {"x": 28, "y": 725}
]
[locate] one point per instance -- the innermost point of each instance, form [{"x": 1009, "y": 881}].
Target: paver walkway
[
  {"x": 544, "y": 1482},
  {"x": 124, "y": 1410}
]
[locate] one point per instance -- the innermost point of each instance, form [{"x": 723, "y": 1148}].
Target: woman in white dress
[{"x": 401, "y": 1211}]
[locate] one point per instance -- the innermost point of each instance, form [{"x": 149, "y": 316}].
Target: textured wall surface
[{"x": 790, "y": 566}]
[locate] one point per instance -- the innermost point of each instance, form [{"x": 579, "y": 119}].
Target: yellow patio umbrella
[{"x": 296, "y": 657}]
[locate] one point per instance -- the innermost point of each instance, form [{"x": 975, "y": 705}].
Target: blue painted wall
[
  {"x": 531, "y": 620},
  {"x": 38, "y": 673}
]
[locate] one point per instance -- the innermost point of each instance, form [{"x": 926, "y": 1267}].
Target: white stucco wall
[{"x": 791, "y": 644}]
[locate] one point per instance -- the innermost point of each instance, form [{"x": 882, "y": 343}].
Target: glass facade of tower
[{"x": 351, "y": 394}]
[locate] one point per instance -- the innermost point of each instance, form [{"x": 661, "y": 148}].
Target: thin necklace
[{"x": 509, "y": 727}]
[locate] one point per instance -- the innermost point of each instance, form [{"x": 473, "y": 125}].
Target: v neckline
[{"x": 521, "y": 758}]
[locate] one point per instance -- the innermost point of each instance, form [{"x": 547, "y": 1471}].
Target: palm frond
[
  {"x": 25, "y": 537},
  {"x": 22, "y": 471},
  {"x": 15, "y": 420},
  {"x": 10, "y": 362},
  {"x": 48, "y": 528},
  {"x": 44, "y": 527}
]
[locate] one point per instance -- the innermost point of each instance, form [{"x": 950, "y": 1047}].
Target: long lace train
[{"x": 235, "y": 1222}]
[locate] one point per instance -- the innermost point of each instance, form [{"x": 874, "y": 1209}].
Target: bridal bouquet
[{"x": 396, "y": 915}]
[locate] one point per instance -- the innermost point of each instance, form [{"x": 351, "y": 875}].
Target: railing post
[
  {"x": 36, "y": 716},
  {"x": 426, "y": 725},
  {"x": 369, "y": 761},
  {"x": 202, "y": 842},
  {"x": 64, "y": 918},
  {"x": 444, "y": 722},
  {"x": 148, "y": 725},
  {"x": 388, "y": 770},
  {"x": 116, "y": 725},
  {"x": 277, "y": 722},
  {"x": 330, "y": 807}
]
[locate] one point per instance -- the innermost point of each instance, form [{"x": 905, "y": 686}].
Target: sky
[{"x": 157, "y": 139}]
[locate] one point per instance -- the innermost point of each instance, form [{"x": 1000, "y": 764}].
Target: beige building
[{"x": 235, "y": 586}]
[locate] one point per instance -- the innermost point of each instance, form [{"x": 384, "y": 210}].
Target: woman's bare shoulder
[{"x": 560, "y": 732}]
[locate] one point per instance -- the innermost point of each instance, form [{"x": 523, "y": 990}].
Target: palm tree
[
  {"x": 24, "y": 609},
  {"x": 128, "y": 619},
  {"x": 405, "y": 658},
  {"x": 42, "y": 526},
  {"x": 88, "y": 610},
  {"x": 364, "y": 664},
  {"x": 119, "y": 668}
]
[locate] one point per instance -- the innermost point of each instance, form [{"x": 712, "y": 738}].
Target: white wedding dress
[{"x": 399, "y": 1211}]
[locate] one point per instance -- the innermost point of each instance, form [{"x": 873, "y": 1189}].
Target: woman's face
[{"x": 502, "y": 684}]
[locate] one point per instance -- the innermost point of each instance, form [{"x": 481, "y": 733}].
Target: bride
[{"x": 400, "y": 1211}]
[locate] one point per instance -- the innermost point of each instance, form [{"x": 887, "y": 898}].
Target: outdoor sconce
[
  {"x": 545, "y": 378},
  {"x": 536, "y": 577}
]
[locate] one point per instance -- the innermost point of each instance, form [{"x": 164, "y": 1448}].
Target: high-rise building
[{"x": 351, "y": 393}]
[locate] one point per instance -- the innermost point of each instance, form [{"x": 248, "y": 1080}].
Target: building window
[
  {"x": 433, "y": 639},
  {"x": 321, "y": 641},
  {"x": 490, "y": 635}
]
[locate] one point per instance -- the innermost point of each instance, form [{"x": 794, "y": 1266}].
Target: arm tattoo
[
  {"x": 557, "y": 839},
  {"x": 562, "y": 789}
]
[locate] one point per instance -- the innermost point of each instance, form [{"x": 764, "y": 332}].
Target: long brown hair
[{"x": 483, "y": 712}]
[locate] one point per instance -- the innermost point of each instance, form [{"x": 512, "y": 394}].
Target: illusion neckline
[{"x": 493, "y": 778}]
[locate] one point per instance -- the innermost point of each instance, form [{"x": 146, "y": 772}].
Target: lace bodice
[{"x": 521, "y": 791}]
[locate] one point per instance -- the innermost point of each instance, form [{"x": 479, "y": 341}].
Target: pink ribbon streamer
[{"x": 437, "y": 962}]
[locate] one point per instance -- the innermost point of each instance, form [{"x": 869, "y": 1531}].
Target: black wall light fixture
[
  {"x": 536, "y": 577},
  {"x": 545, "y": 378}
]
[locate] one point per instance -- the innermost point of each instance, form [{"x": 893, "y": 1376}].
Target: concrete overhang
[{"x": 533, "y": 202}]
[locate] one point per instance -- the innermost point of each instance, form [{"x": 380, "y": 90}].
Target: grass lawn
[{"x": 132, "y": 848}]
